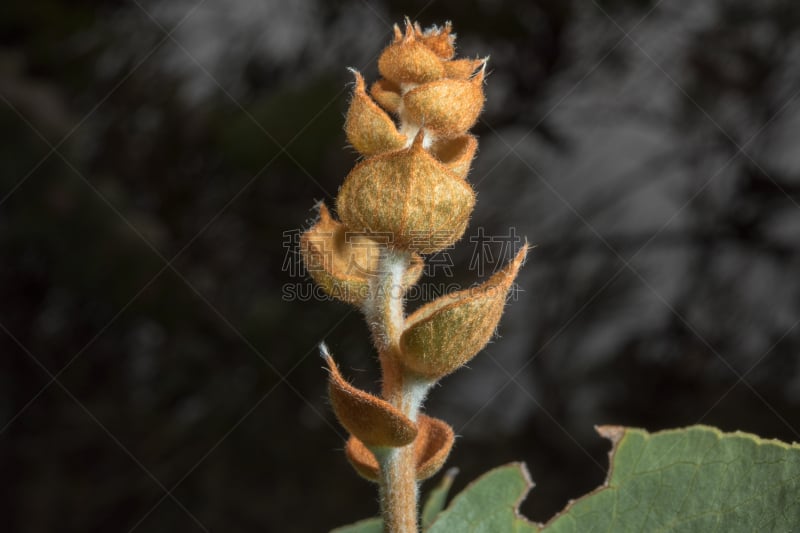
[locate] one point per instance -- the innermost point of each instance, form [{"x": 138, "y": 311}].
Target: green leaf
[
  {"x": 692, "y": 480},
  {"x": 489, "y": 504},
  {"x": 696, "y": 479},
  {"x": 437, "y": 498},
  {"x": 370, "y": 525}
]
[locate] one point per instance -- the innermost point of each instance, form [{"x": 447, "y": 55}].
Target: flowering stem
[
  {"x": 385, "y": 315},
  {"x": 410, "y": 185}
]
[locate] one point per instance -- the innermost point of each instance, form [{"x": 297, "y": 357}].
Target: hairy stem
[
  {"x": 385, "y": 315},
  {"x": 398, "y": 491}
]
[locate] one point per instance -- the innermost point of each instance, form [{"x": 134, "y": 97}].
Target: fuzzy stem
[
  {"x": 385, "y": 315},
  {"x": 398, "y": 491}
]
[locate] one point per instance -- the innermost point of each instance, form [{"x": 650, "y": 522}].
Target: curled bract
[
  {"x": 342, "y": 262},
  {"x": 446, "y": 333},
  {"x": 375, "y": 422},
  {"x": 431, "y": 448},
  {"x": 462, "y": 69},
  {"x": 369, "y": 129},
  {"x": 387, "y": 94},
  {"x": 447, "y": 107},
  {"x": 456, "y": 154},
  {"x": 440, "y": 40}
]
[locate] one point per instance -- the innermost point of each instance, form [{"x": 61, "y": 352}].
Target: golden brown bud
[
  {"x": 409, "y": 195},
  {"x": 447, "y": 107},
  {"x": 446, "y": 333},
  {"x": 369, "y": 129},
  {"x": 343, "y": 262},
  {"x": 431, "y": 448},
  {"x": 408, "y": 60},
  {"x": 374, "y": 421},
  {"x": 438, "y": 40}
]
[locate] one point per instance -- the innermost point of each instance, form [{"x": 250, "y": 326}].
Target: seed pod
[
  {"x": 446, "y": 333},
  {"x": 447, "y": 107},
  {"x": 431, "y": 448},
  {"x": 369, "y": 129},
  {"x": 456, "y": 154},
  {"x": 409, "y": 61},
  {"x": 410, "y": 195},
  {"x": 343, "y": 262},
  {"x": 374, "y": 421}
]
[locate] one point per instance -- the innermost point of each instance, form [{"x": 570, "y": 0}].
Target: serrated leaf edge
[{"x": 616, "y": 434}]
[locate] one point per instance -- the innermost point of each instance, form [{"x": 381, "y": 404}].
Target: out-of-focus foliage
[{"x": 158, "y": 369}]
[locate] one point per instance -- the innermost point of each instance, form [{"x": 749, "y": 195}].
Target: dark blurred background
[{"x": 159, "y": 158}]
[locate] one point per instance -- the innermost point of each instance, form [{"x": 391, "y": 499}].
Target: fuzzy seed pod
[
  {"x": 431, "y": 448},
  {"x": 369, "y": 129},
  {"x": 375, "y": 422},
  {"x": 342, "y": 262},
  {"x": 410, "y": 195},
  {"x": 446, "y": 107},
  {"x": 446, "y": 333}
]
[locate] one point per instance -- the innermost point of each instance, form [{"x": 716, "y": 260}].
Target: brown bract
[
  {"x": 446, "y": 107},
  {"x": 431, "y": 448},
  {"x": 456, "y": 154},
  {"x": 342, "y": 262},
  {"x": 462, "y": 69},
  {"x": 369, "y": 129},
  {"x": 387, "y": 94},
  {"x": 446, "y": 333},
  {"x": 441, "y": 41},
  {"x": 374, "y": 421}
]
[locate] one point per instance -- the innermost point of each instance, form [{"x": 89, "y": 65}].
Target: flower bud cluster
[
  {"x": 412, "y": 131},
  {"x": 410, "y": 188}
]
